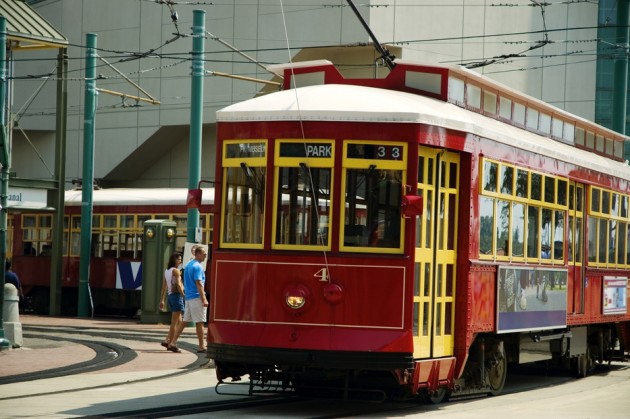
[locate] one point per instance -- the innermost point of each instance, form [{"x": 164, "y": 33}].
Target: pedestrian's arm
[
  {"x": 163, "y": 294},
  {"x": 202, "y": 292},
  {"x": 177, "y": 281}
]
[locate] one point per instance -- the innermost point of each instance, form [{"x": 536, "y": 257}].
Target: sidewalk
[
  {"x": 125, "y": 387},
  {"x": 43, "y": 354}
]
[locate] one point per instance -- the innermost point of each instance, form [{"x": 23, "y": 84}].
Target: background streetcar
[
  {"x": 321, "y": 278},
  {"x": 117, "y": 229}
]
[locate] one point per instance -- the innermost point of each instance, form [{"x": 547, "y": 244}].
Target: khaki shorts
[{"x": 195, "y": 311}]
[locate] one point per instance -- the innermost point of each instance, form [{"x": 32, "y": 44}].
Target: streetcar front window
[
  {"x": 243, "y": 201},
  {"x": 303, "y": 206},
  {"x": 372, "y": 216},
  {"x": 244, "y": 205},
  {"x": 304, "y": 178},
  {"x": 372, "y": 182}
]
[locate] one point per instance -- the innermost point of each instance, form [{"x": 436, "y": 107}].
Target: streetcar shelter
[{"x": 27, "y": 31}]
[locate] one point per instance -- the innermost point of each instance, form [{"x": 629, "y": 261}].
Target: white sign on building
[{"x": 26, "y": 198}]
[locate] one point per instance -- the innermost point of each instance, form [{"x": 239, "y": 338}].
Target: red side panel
[{"x": 365, "y": 310}]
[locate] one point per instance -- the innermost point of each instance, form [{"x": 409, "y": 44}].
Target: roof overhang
[{"x": 27, "y": 30}]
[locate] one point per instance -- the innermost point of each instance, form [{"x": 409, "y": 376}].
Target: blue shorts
[{"x": 175, "y": 302}]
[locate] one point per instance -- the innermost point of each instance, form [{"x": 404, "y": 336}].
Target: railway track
[{"x": 108, "y": 354}]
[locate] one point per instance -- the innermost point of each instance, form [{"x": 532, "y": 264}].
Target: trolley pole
[
  {"x": 5, "y": 160},
  {"x": 196, "y": 117},
  {"x": 87, "y": 184}
]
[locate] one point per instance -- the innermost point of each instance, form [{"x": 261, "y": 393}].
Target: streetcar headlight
[
  {"x": 170, "y": 233},
  {"x": 150, "y": 233},
  {"x": 295, "y": 301},
  {"x": 296, "y": 297}
]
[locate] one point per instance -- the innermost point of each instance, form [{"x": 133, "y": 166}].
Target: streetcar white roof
[
  {"x": 132, "y": 196},
  {"x": 346, "y": 103}
]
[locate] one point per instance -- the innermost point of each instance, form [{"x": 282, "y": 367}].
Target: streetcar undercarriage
[{"x": 274, "y": 371}]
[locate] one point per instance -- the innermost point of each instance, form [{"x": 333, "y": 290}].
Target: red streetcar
[
  {"x": 118, "y": 216},
  {"x": 414, "y": 234}
]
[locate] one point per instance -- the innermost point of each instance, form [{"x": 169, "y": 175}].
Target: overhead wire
[
  {"x": 181, "y": 58},
  {"x": 15, "y": 119}
]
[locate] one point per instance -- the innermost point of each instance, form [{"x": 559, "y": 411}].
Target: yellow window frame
[
  {"x": 39, "y": 233},
  {"x": 529, "y": 201},
  {"x": 576, "y": 214},
  {"x": 607, "y": 215}
]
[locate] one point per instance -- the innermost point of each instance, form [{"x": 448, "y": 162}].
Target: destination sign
[
  {"x": 311, "y": 150},
  {"x": 375, "y": 152},
  {"x": 234, "y": 150}
]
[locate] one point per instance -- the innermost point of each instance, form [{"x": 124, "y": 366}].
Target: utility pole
[
  {"x": 620, "y": 81},
  {"x": 196, "y": 117},
  {"x": 87, "y": 184},
  {"x": 5, "y": 160},
  {"x": 56, "y": 257}
]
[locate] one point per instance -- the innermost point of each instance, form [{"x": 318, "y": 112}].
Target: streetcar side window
[
  {"x": 533, "y": 240},
  {"x": 503, "y": 228},
  {"x": 109, "y": 236},
  {"x": 518, "y": 230},
  {"x": 576, "y": 222},
  {"x": 490, "y": 176},
  {"x": 36, "y": 234},
  {"x": 75, "y": 236},
  {"x": 607, "y": 228},
  {"x": 558, "y": 235},
  {"x": 521, "y": 214},
  {"x": 113, "y": 235},
  {"x": 486, "y": 226},
  {"x": 66, "y": 235},
  {"x": 372, "y": 189}
]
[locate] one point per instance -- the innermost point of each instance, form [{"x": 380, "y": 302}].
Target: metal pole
[
  {"x": 56, "y": 257},
  {"x": 5, "y": 160},
  {"x": 621, "y": 68},
  {"x": 196, "y": 117},
  {"x": 87, "y": 184}
]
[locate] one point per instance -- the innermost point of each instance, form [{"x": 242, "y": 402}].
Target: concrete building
[{"x": 547, "y": 51}]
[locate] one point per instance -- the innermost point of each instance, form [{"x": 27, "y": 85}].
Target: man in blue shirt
[{"x": 194, "y": 290}]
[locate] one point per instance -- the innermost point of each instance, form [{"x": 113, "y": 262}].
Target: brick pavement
[{"x": 42, "y": 354}]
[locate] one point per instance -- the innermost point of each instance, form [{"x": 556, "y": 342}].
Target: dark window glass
[{"x": 536, "y": 186}]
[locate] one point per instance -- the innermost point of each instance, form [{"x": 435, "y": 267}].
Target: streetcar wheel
[
  {"x": 496, "y": 373},
  {"x": 582, "y": 365},
  {"x": 589, "y": 363},
  {"x": 441, "y": 395}
]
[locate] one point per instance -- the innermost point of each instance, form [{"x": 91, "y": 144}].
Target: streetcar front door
[{"x": 436, "y": 253}]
